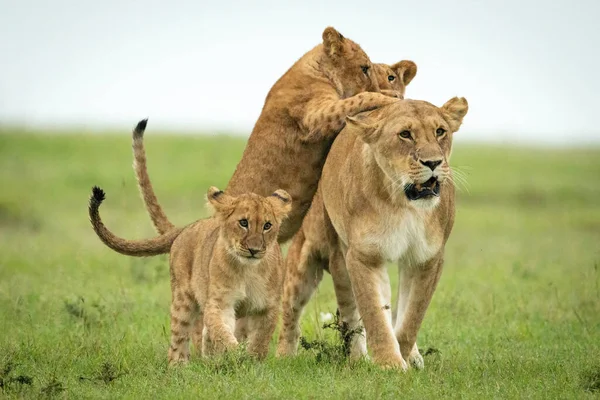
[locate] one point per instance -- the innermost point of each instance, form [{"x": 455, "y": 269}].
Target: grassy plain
[{"x": 516, "y": 314}]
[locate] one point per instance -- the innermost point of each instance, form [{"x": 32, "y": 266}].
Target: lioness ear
[
  {"x": 455, "y": 109},
  {"x": 218, "y": 200},
  {"x": 363, "y": 127},
  {"x": 406, "y": 70},
  {"x": 281, "y": 202},
  {"x": 332, "y": 41}
]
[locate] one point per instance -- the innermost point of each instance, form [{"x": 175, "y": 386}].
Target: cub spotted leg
[
  {"x": 182, "y": 317},
  {"x": 303, "y": 272},
  {"x": 219, "y": 325},
  {"x": 260, "y": 330}
]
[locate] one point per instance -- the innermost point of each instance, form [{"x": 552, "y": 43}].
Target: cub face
[
  {"x": 395, "y": 77},
  {"x": 412, "y": 141},
  {"x": 249, "y": 222},
  {"x": 348, "y": 65}
]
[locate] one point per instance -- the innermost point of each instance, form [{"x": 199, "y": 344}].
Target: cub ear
[
  {"x": 281, "y": 202},
  {"x": 333, "y": 42},
  {"x": 364, "y": 127},
  {"x": 218, "y": 200},
  {"x": 406, "y": 70},
  {"x": 454, "y": 110}
]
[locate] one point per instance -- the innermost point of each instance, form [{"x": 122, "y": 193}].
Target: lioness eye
[
  {"x": 440, "y": 131},
  {"x": 267, "y": 226},
  {"x": 244, "y": 223},
  {"x": 391, "y": 77},
  {"x": 405, "y": 134},
  {"x": 365, "y": 69}
]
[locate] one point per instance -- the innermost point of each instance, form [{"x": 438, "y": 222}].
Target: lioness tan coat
[{"x": 371, "y": 212}]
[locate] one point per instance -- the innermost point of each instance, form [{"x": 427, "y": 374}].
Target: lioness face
[
  {"x": 412, "y": 141},
  {"x": 249, "y": 222},
  {"x": 350, "y": 67},
  {"x": 395, "y": 77}
]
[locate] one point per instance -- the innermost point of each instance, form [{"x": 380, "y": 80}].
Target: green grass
[{"x": 516, "y": 314}]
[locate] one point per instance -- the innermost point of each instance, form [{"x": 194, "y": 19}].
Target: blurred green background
[{"x": 516, "y": 314}]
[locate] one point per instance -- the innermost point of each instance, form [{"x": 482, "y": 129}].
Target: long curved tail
[
  {"x": 138, "y": 248},
  {"x": 159, "y": 218}
]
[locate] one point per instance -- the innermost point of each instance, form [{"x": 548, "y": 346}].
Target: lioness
[
  {"x": 221, "y": 267},
  {"x": 397, "y": 205}
]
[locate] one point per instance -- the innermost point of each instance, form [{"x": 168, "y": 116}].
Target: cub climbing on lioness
[
  {"x": 222, "y": 267},
  {"x": 391, "y": 79},
  {"x": 303, "y": 112}
]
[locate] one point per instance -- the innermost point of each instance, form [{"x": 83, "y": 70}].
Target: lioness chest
[{"x": 407, "y": 237}]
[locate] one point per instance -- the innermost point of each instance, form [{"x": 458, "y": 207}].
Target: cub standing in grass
[
  {"x": 221, "y": 267},
  {"x": 386, "y": 195}
]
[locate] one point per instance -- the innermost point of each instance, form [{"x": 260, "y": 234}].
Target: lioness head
[
  {"x": 249, "y": 222},
  {"x": 395, "y": 77},
  {"x": 411, "y": 141},
  {"x": 347, "y": 65}
]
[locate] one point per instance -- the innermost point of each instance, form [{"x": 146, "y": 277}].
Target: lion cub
[{"x": 221, "y": 267}]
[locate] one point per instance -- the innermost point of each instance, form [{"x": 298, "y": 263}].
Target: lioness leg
[
  {"x": 349, "y": 315},
  {"x": 302, "y": 276},
  {"x": 414, "y": 296},
  {"x": 367, "y": 274},
  {"x": 182, "y": 315},
  {"x": 241, "y": 329},
  {"x": 260, "y": 331}
]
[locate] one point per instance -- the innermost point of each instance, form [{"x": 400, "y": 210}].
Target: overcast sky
[{"x": 529, "y": 69}]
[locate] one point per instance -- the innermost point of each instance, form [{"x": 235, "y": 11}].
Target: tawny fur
[
  {"x": 222, "y": 267},
  {"x": 303, "y": 112},
  {"x": 308, "y": 255},
  {"x": 390, "y": 79},
  {"x": 361, "y": 218}
]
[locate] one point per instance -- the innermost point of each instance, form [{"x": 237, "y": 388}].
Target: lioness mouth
[{"x": 423, "y": 190}]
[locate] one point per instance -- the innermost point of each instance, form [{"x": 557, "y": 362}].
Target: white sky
[{"x": 529, "y": 69}]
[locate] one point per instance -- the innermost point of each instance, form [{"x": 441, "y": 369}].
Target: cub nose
[
  {"x": 432, "y": 164},
  {"x": 253, "y": 251}
]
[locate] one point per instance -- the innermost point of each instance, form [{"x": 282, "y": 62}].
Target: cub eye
[
  {"x": 267, "y": 226},
  {"x": 365, "y": 69},
  {"x": 391, "y": 78},
  {"x": 440, "y": 131},
  {"x": 244, "y": 223},
  {"x": 405, "y": 134}
]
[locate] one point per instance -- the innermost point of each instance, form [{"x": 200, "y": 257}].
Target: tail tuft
[
  {"x": 98, "y": 196},
  {"x": 138, "y": 132}
]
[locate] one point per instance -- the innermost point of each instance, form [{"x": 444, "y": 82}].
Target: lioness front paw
[
  {"x": 391, "y": 363},
  {"x": 416, "y": 359}
]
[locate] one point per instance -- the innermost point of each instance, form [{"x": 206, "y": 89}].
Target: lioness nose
[{"x": 432, "y": 164}]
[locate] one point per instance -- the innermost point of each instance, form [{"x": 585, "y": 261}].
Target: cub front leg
[
  {"x": 367, "y": 274},
  {"x": 260, "y": 331},
  {"x": 417, "y": 287},
  {"x": 219, "y": 325},
  {"x": 324, "y": 119}
]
